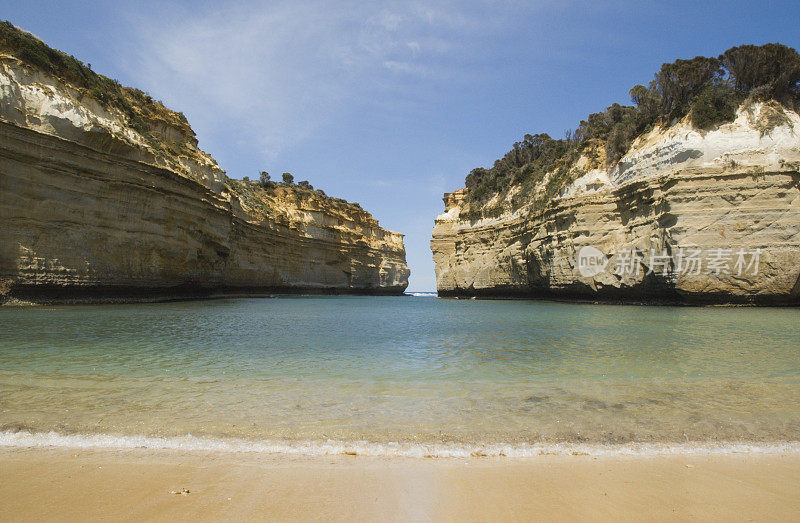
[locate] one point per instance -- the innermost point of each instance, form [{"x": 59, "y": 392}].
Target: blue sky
[{"x": 390, "y": 104}]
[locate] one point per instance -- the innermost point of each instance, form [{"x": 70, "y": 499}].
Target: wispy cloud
[{"x": 279, "y": 72}]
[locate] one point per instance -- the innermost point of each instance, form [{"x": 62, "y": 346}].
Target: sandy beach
[{"x": 68, "y": 484}]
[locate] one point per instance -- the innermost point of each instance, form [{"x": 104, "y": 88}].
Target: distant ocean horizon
[{"x": 398, "y": 376}]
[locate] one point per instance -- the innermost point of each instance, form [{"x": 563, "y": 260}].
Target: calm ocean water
[{"x": 405, "y": 375}]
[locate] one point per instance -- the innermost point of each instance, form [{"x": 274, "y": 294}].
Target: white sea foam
[{"x": 24, "y": 439}]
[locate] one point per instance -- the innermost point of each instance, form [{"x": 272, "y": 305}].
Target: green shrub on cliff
[
  {"x": 679, "y": 83},
  {"x": 714, "y": 104},
  {"x": 707, "y": 89},
  {"x": 264, "y": 179},
  {"x": 529, "y": 159}
]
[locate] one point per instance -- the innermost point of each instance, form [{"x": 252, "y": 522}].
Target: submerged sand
[{"x": 137, "y": 484}]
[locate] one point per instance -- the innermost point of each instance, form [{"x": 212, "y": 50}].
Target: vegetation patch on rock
[
  {"x": 708, "y": 90},
  {"x": 142, "y": 112}
]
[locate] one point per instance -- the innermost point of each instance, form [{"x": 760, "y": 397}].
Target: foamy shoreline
[{"x": 25, "y": 439}]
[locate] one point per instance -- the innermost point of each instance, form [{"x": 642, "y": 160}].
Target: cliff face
[
  {"x": 686, "y": 215},
  {"x": 94, "y": 207}
]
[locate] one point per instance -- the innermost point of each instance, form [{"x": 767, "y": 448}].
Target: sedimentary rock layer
[
  {"x": 80, "y": 223},
  {"x": 92, "y": 210},
  {"x": 687, "y": 216}
]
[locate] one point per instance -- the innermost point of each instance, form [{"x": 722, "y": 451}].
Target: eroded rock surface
[
  {"x": 92, "y": 209},
  {"x": 726, "y": 200}
]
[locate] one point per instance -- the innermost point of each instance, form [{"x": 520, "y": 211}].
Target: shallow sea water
[{"x": 400, "y": 375}]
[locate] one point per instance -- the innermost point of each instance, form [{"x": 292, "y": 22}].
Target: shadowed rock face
[
  {"x": 704, "y": 217},
  {"x": 92, "y": 210}
]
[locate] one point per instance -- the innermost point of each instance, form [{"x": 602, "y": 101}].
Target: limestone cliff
[
  {"x": 104, "y": 194},
  {"x": 686, "y": 215}
]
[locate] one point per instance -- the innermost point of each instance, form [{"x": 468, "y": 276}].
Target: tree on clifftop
[
  {"x": 768, "y": 71},
  {"x": 288, "y": 178},
  {"x": 680, "y": 82},
  {"x": 264, "y": 179}
]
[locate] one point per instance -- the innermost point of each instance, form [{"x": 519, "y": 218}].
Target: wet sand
[{"x": 136, "y": 484}]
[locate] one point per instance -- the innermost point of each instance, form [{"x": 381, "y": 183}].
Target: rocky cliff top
[
  {"x": 48, "y": 91},
  {"x": 737, "y": 109},
  {"x": 763, "y": 137}
]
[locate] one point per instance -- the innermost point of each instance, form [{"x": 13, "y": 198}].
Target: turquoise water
[{"x": 402, "y": 371}]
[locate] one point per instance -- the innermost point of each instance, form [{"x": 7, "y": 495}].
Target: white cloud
[{"x": 279, "y": 72}]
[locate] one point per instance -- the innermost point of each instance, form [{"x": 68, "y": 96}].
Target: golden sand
[{"x": 170, "y": 485}]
